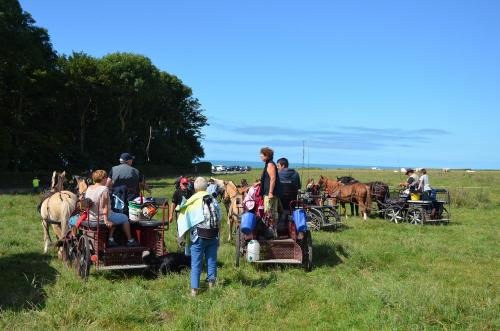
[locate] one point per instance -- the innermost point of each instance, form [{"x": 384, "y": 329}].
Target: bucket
[
  {"x": 253, "y": 251},
  {"x": 247, "y": 222},
  {"x": 415, "y": 196},
  {"x": 135, "y": 212},
  {"x": 300, "y": 220}
]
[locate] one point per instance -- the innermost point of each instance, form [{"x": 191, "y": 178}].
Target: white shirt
[{"x": 424, "y": 183}]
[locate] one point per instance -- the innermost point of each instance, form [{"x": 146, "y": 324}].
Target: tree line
[{"x": 77, "y": 111}]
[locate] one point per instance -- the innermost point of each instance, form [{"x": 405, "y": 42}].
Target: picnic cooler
[{"x": 135, "y": 212}]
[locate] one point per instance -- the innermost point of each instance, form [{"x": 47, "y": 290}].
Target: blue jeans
[{"x": 203, "y": 248}]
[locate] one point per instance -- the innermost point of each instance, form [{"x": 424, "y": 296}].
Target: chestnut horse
[{"x": 357, "y": 193}]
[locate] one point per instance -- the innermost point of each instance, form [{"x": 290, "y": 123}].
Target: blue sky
[{"x": 395, "y": 83}]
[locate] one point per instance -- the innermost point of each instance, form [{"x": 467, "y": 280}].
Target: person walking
[
  {"x": 36, "y": 185},
  {"x": 199, "y": 228}
]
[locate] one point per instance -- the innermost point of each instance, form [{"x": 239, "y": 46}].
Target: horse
[
  {"x": 357, "y": 193},
  {"x": 233, "y": 197},
  {"x": 347, "y": 180},
  {"x": 379, "y": 192},
  {"x": 313, "y": 192},
  {"x": 57, "y": 207}
]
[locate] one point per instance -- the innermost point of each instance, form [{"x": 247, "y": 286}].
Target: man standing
[
  {"x": 127, "y": 176},
  {"x": 290, "y": 185},
  {"x": 179, "y": 194}
]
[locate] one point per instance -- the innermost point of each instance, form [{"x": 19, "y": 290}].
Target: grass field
[{"x": 373, "y": 275}]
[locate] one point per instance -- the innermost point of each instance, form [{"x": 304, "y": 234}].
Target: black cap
[{"x": 126, "y": 157}]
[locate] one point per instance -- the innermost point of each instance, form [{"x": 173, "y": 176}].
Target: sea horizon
[{"x": 259, "y": 165}]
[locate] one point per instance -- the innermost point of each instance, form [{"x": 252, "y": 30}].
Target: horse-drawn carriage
[
  {"x": 403, "y": 209},
  {"x": 87, "y": 244},
  {"x": 320, "y": 214},
  {"x": 260, "y": 242}
]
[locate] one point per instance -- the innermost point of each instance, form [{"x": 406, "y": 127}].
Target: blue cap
[{"x": 126, "y": 157}]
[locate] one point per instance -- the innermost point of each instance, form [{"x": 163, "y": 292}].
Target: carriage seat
[
  {"x": 92, "y": 225},
  {"x": 147, "y": 224}
]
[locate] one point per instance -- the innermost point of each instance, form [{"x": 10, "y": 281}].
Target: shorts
[{"x": 115, "y": 218}]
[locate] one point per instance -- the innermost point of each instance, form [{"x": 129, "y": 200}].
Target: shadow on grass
[
  {"x": 328, "y": 255},
  {"x": 258, "y": 282},
  {"x": 22, "y": 281}
]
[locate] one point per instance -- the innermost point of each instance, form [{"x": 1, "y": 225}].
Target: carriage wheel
[
  {"x": 69, "y": 252},
  {"x": 314, "y": 219},
  {"x": 332, "y": 212},
  {"x": 415, "y": 216},
  {"x": 238, "y": 252},
  {"x": 307, "y": 251},
  {"x": 394, "y": 215},
  {"x": 83, "y": 257}
]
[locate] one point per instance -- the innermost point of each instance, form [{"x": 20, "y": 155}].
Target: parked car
[{"x": 220, "y": 168}]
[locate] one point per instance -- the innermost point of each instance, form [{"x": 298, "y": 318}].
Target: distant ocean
[{"x": 260, "y": 165}]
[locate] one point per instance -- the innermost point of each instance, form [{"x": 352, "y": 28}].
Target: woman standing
[
  {"x": 270, "y": 190},
  {"x": 424, "y": 185},
  {"x": 199, "y": 226}
]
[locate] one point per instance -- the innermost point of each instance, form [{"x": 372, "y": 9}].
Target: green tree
[{"x": 27, "y": 68}]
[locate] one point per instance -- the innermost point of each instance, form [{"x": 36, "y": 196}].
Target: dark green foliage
[{"x": 77, "y": 111}]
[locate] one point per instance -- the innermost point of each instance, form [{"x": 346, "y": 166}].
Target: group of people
[
  {"x": 198, "y": 212},
  {"x": 418, "y": 183},
  {"x": 122, "y": 179}
]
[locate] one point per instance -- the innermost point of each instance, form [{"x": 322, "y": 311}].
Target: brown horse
[{"x": 357, "y": 193}]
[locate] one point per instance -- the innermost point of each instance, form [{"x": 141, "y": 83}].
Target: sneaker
[
  {"x": 194, "y": 292},
  {"x": 132, "y": 243},
  {"x": 112, "y": 243},
  {"x": 211, "y": 284}
]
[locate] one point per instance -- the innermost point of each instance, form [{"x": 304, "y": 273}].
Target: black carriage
[
  {"x": 436, "y": 210},
  {"x": 320, "y": 214},
  {"x": 87, "y": 245}
]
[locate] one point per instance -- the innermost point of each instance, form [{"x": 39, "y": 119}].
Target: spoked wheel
[
  {"x": 69, "y": 251},
  {"x": 307, "y": 251},
  {"x": 415, "y": 216},
  {"x": 394, "y": 215},
  {"x": 314, "y": 219},
  {"x": 83, "y": 261},
  {"x": 238, "y": 252}
]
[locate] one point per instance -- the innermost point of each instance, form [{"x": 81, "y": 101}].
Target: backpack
[{"x": 209, "y": 228}]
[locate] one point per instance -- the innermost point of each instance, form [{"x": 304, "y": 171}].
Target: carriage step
[
  {"x": 123, "y": 267},
  {"x": 287, "y": 261},
  {"x": 125, "y": 249}
]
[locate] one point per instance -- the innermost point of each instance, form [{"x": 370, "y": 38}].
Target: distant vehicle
[
  {"x": 247, "y": 168},
  {"x": 219, "y": 168}
]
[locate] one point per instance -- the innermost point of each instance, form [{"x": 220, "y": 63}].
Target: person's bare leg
[{"x": 111, "y": 231}]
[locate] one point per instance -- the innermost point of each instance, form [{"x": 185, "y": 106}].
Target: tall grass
[{"x": 373, "y": 275}]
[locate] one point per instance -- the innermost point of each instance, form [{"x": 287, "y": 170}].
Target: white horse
[{"x": 57, "y": 209}]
